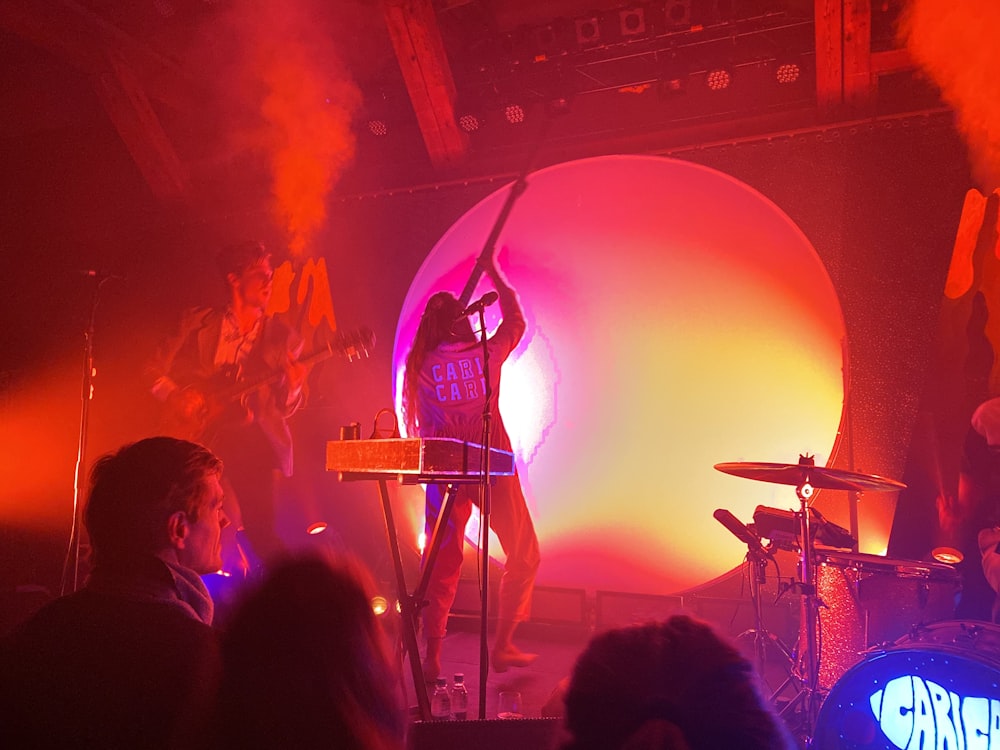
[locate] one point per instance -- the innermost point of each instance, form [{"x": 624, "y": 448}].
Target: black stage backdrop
[{"x": 879, "y": 200}]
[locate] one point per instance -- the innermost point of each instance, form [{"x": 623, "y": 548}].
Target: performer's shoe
[
  {"x": 432, "y": 670},
  {"x": 511, "y": 656}
]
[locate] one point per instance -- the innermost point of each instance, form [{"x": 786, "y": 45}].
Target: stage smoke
[
  {"x": 280, "y": 57},
  {"x": 955, "y": 45}
]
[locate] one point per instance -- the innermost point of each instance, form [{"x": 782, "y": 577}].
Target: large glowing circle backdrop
[{"x": 676, "y": 319}]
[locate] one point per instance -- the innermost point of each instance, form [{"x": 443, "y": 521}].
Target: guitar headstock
[{"x": 355, "y": 344}]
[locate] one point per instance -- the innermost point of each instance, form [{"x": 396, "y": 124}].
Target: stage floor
[{"x": 557, "y": 649}]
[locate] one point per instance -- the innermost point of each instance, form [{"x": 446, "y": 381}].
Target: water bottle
[
  {"x": 440, "y": 701},
  {"x": 459, "y": 697}
]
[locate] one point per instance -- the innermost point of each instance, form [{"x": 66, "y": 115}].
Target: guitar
[{"x": 197, "y": 410}]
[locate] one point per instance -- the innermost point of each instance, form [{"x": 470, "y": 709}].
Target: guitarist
[
  {"x": 214, "y": 350},
  {"x": 443, "y": 396}
]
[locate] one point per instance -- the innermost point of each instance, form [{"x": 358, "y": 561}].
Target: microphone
[
  {"x": 739, "y": 530},
  {"x": 480, "y": 304}
]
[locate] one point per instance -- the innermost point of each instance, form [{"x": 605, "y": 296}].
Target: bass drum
[{"x": 938, "y": 687}]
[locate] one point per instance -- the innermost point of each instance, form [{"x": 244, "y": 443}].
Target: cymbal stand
[{"x": 808, "y": 655}]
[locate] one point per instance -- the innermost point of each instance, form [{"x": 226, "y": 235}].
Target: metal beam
[
  {"x": 83, "y": 39},
  {"x": 125, "y": 73},
  {"x": 420, "y": 52},
  {"x": 845, "y": 82},
  {"x": 130, "y": 110}
]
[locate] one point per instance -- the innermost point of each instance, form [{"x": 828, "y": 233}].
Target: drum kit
[{"x": 879, "y": 661}]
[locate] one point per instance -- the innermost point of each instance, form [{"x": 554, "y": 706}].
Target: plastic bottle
[
  {"x": 459, "y": 697},
  {"x": 440, "y": 701}
]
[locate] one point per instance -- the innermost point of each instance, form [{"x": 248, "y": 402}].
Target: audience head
[
  {"x": 159, "y": 496},
  {"x": 674, "y": 685},
  {"x": 306, "y": 664}
]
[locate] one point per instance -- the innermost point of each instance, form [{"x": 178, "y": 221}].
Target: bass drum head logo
[{"x": 916, "y": 697}]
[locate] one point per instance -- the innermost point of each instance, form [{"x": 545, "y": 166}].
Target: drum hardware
[
  {"x": 757, "y": 559},
  {"x": 806, "y": 477},
  {"x": 782, "y": 528}
]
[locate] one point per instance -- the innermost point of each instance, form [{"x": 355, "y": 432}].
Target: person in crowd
[
  {"x": 673, "y": 685},
  {"x": 205, "y": 375},
  {"x": 444, "y": 394},
  {"x": 305, "y": 664},
  {"x": 129, "y": 660}
]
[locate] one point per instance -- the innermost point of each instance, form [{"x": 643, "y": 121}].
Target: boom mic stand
[{"x": 757, "y": 558}]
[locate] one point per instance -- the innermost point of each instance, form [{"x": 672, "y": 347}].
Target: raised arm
[{"x": 513, "y": 324}]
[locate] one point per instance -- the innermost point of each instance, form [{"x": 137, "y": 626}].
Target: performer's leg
[
  {"x": 250, "y": 467},
  {"x": 443, "y": 581},
  {"x": 510, "y": 519}
]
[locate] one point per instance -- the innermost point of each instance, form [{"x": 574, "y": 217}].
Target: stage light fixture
[
  {"x": 948, "y": 555},
  {"x": 673, "y": 76},
  {"x": 380, "y": 605},
  {"x": 316, "y": 528},
  {"x": 588, "y": 31},
  {"x": 632, "y": 21},
  {"x": 378, "y": 128},
  {"x": 787, "y": 71},
  {"x": 470, "y": 122},
  {"x": 514, "y": 113},
  {"x": 165, "y": 8},
  {"x": 678, "y": 14},
  {"x": 719, "y": 79}
]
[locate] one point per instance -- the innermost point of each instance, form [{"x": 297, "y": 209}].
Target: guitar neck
[{"x": 353, "y": 345}]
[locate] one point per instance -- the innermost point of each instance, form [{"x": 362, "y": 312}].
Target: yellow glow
[{"x": 676, "y": 319}]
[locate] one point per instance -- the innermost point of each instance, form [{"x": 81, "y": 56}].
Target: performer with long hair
[{"x": 444, "y": 390}]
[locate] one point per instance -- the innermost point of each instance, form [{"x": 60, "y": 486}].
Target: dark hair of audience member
[
  {"x": 167, "y": 471},
  {"x": 674, "y": 685},
  {"x": 306, "y": 664}
]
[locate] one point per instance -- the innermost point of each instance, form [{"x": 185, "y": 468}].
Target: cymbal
[{"x": 819, "y": 477}]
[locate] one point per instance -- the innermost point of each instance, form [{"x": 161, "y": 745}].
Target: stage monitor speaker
[{"x": 489, "y": 734}]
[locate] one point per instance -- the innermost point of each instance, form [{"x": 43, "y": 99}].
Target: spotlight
[
  {"x": 670, "y": 86},
  {"x": 588, "y": 31},
  {"x": 557, "y": 105},
  {"x": 718, "y": 79},
  {"x": 378, "y": 128},
  {"x": 316, "y": 528},
  {"x": 632, "y": 21},
  {"x": 787, "y": 72},
  {"x": 514, "y": 113},
  {"x": 678, "y": 14},
  {"x": 948, "y": 555},
  {"x": 469, "y": 122},
  {"x": 165, "y": 8},
  {"x": 380, "y": 605},
  {"x": 673, "y": 77}
]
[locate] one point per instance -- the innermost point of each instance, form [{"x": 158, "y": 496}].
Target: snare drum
[
  {"x": 936, "y": 688},
  {"x": 869, "y": 600}
]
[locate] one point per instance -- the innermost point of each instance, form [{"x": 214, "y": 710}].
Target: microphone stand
[
  {"x": 71, "y": 565},
  {"x": 485, "y": 490}
]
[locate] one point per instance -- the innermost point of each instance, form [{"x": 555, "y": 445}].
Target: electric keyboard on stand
[{"x": 413, "y": 461}]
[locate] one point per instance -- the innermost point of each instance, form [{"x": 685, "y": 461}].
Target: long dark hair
[{"x": 440, "y": 322}]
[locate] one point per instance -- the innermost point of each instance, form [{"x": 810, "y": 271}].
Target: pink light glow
[{"x": 676, "y": 319}]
